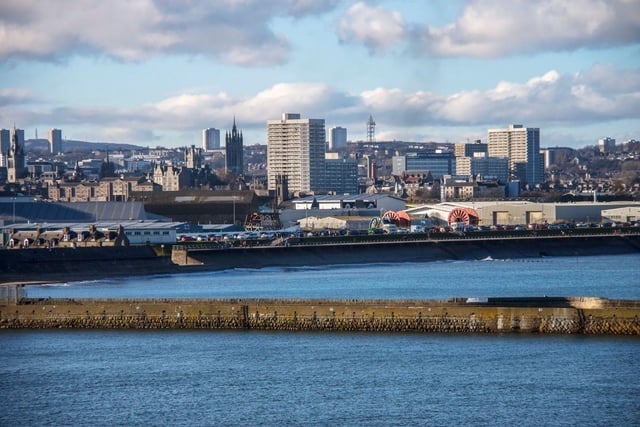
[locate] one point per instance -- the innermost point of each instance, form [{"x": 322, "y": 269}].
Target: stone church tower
[
  {"x": 16, "y": 165},
  {"x": 234, "y": 161},
  {"x": 193, "y": 157}
]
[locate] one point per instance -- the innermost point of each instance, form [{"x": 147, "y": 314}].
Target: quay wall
[
  {"x": 68, "y": 264},
  {"x": 590, "y": 316},
  {"x": 64, "y": 263},
  {"x": 404, "y": 251}
]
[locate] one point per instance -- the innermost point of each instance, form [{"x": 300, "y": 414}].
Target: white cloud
[
  {"x": 549, "y": 100},
  {"x": 377, "y": 28},
  {"x": 186, "y": 106},
  {"x": 608, "y": 79},
  {"x": 14, "y": 96},
  {"x": 494, "y": 28},
  {"x": 234, "y": 31}
]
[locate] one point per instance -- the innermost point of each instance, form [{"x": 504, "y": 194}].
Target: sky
[{"x": 157, "y": 72}]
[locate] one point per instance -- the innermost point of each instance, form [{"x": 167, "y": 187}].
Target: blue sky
[{"x": 156, "y": 72}]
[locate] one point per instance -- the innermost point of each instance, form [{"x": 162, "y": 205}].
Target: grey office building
[
  {"x": 338, "y": 138},
  {"x": 341, "y": 176},
  {"x": 5, "y": 140},
  {"x": 438, "y": 163}
]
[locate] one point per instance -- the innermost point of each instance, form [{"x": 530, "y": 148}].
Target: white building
[
  {"x": 524, "y": 212},
  {"x": 55, "y": 141},
  {"x": 137, "y": 232},
  {"x": 210, "y": 139},
  {"x": 629, "y": 214},
  {"x": 465, "y": 149},
  {"x": 607, "y": 145},
  {"x": 522, "y": 146},
  {"x": 338, "y": 138},
  {"x": 295, "y": 151},
  {"x": 333, "y": 203}
]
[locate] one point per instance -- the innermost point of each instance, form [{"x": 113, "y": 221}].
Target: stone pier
[{"x": 594, "y": 316}]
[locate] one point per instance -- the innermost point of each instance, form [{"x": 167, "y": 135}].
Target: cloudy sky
[{"x": 156, "y": 72}]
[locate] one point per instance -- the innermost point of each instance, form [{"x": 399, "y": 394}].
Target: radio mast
[{"x": 371, "y": 130}]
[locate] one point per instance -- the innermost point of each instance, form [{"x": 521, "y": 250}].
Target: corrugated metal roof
[
  {"x": 344, "y": 197},
  {"x": 32, "y": 211},
  {"x": 100, "y": 225}
]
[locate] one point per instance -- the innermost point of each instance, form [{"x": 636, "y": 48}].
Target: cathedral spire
[
  {"x": 234, "y": 129},
  {"x": 234, "y": 150}
]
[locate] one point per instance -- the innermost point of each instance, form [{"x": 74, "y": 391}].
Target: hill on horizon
[{"x": 41, "y": 144}]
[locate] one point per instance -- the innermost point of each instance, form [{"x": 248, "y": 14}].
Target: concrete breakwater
[{"x": 493, "y": 315}]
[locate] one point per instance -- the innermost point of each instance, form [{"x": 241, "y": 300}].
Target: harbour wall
[
  {"x": 591, "y": 316},
  {"x": 403, "y": 251},
  {"x": 86, "y": 263},
  {"x": 70, "y": 264}
]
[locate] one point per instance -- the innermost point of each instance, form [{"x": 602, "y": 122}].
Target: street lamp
[{"x": 234, "y": 209}]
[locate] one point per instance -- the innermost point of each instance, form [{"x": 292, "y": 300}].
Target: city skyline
[{"x": 152, "y": 73}]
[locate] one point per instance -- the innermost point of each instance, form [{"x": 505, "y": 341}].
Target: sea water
[
  {"x": 176, "y": 377},
  {"x": 603, "y": 276}
]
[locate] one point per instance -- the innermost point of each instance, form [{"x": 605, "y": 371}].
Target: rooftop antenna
[{"x": 371, "y": 129}]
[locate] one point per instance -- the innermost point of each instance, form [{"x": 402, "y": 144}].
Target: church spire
[
  {"x": 234, "y": 129},
  {"x": 234, "y": 150}
]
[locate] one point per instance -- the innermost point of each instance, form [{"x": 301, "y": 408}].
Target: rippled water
[
  {"x": 257, "y": 378},
  {"x": 604, "y": 276},
  {"x": 106, "y": 378}
]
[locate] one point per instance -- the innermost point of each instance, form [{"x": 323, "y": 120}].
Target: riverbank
[{"x": 590, "y": 316}]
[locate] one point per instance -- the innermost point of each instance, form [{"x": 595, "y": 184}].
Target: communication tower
[{"x": 371, "y": 130}]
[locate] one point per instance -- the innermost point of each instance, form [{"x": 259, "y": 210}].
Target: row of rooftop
[
  {"x": 141, "y": 227},
  {"x": 417, "y": 171}
]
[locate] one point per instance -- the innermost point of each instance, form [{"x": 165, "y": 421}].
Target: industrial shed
[
  {"x": 522, "y": 212},
  {"x": 384, "y": 202},
  {"x": 628, "y": 214}
]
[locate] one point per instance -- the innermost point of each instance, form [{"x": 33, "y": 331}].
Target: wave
[
  {"x": 49, "y": 285},
  {"x": 518, "y": 260},
  {"x": 359, "y": 266}
]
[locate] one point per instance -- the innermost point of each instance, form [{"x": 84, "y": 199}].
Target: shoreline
[{"x": 33, "y": 266}]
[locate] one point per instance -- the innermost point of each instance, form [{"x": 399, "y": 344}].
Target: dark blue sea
[{"x": 202, "y": 378}]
